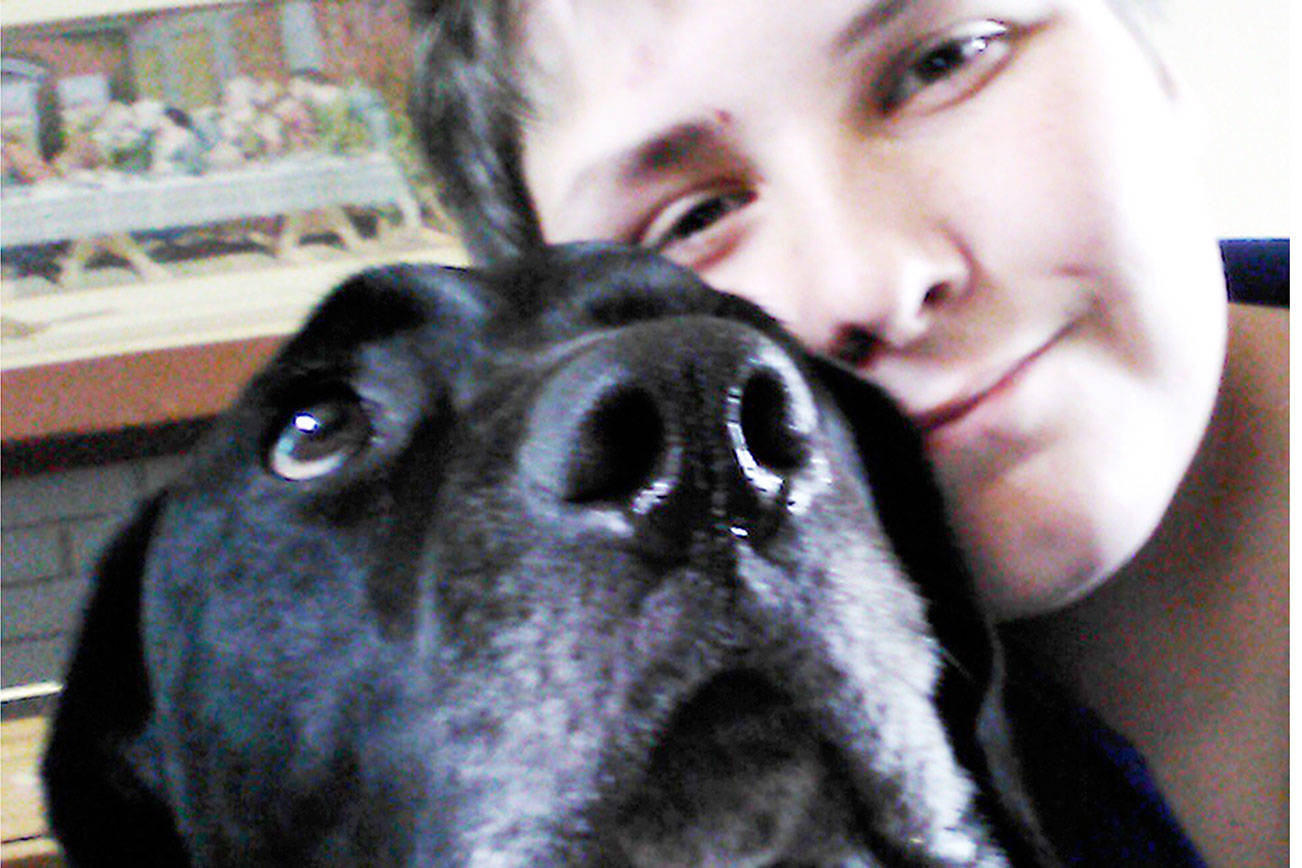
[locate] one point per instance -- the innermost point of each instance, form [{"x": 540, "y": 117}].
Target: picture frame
[{"x": 183, "y": 181}]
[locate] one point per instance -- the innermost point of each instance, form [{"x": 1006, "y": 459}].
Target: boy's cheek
[{"x": 1046, "y": 524}]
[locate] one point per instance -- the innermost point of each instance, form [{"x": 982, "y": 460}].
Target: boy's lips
[{"x": 950, "y": 412}]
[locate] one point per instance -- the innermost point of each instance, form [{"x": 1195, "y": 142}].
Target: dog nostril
[
  {"x": 772, "y": 431},
  {"x": 772, "y": 421},
  {"x": 619, "y": 443}
]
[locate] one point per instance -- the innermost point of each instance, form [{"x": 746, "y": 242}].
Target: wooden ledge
[
  {"x": 139, "y": 390},
  {"x": 24, "y": 842},
  {"x": 148, "y": 355}
]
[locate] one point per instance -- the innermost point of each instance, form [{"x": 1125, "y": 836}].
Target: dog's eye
[{"x": 319, "y": 437}]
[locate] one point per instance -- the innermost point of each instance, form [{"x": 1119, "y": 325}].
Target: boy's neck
[{"x": 1185, "y": 650}]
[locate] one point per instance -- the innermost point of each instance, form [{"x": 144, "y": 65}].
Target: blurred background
[{"x": 1235, "y": 56}]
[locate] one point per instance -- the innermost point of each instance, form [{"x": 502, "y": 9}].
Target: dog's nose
[{"x": 682, "y": 427}]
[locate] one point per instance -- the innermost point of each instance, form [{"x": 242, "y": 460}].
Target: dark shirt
[
  {"x": 1096, "y": 801},
  {"x": 1256, "y": 270}
]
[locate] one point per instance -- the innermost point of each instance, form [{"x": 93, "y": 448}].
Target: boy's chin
[{"x": 1047, "y": 576}]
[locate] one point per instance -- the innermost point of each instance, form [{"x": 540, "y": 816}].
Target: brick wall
[{"x": 52, "y": 526}]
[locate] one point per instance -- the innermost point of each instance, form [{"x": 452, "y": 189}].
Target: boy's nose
[
  {"x": 877, "y": 299},
  {"x": 875, "y": 273}
]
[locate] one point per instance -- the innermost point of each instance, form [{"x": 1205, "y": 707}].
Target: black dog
[{"x": 572, "y": 563}]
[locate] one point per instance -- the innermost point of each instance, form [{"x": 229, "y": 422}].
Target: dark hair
[{"x": 468, "y": 105}]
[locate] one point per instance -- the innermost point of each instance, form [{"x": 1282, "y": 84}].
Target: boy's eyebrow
[
  {"x": 660, "y": 151},
  {"x": 876, "y": 14},
  {"x": 665, "y": 149}
]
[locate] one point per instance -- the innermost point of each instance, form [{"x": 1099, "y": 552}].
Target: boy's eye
[
  {"x": 691, "y": 215},
  {"x": 960, "y": 58}
]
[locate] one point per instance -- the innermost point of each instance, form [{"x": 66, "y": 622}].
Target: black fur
[{"x": 602, "y": 519}]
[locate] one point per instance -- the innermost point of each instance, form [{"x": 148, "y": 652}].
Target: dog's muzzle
[
  {"x": 683, "y": 429},
  {"x": 678, "y": 436}
]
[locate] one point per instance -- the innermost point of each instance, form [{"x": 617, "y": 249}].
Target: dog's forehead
[
  {"x": 381, "y": 303},
  {"x": 567, "y": 290},
  {"x": 461, "y": 325}
]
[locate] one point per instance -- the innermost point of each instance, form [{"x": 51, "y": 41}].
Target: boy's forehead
[
  {"x": 555, "y": 38},
  {"x": 612, "y": 85},
  {"x": 564, "y": 48}
]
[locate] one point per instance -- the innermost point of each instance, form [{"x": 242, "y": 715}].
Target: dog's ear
[
  {"x": 103, "y": 794},
  {"x": 912, "y": 511}
]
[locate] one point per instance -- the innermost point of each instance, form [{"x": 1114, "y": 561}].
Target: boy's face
[{"x": 986, "y": 206}]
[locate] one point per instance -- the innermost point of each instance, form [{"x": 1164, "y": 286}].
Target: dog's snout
[{"x": 687, "y": 426}]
